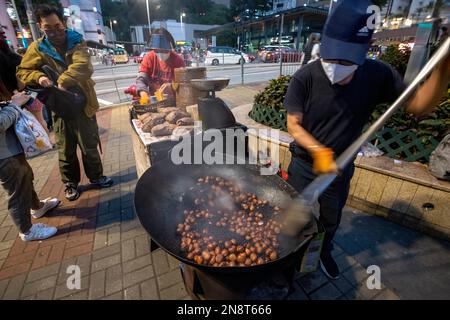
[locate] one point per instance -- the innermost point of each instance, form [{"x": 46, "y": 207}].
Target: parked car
[
  {"x": 267, "y": 52},
  {"x": 272, "y": 54},
  {"x": 291, "y": 55},
  {"x": 139, "y": 58},
  {"x": 224, "y": 55}
]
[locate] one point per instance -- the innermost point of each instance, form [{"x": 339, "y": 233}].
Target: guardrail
[
  {"x": 288, "y": 65},
  {"x": 114, "y": 77}
]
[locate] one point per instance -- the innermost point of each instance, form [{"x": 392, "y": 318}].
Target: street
[{"x": 112, "y": 92}]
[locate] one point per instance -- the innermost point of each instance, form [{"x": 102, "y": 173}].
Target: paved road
[{"x": 254, "y": 72}]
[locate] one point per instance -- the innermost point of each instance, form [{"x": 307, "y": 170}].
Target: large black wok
[{"x": 162, "y": 194}]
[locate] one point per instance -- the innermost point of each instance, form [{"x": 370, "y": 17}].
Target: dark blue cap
[{"x": 346, "y": 35}]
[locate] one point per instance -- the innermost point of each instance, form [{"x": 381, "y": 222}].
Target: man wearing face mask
[
  {"x": 329, "y": 101},
  {"x": 157, "y": 70},
  {"x": 66, "y": 52}
]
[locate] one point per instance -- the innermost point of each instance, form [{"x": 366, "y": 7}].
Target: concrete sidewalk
[{"x": 100, "y": 233}]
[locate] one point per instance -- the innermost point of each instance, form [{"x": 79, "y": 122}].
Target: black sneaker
[
  {"x": 71, "y": 192},
  {"x": 329, "y": 266},
  {"x": 103, "y": 182}
]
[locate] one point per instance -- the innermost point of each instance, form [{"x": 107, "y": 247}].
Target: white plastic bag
[
  {"x": 31, "y": 135},
  {"x": 440, "y": 160},
  {"x": 371, "y": 151}
]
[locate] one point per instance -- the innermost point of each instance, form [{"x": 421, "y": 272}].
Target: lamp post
[
  {"x": 112, "y": 31},
  {"x": 31, "y": 20},
  {"x": 182, "y": 15},
  {"x": 331, "y": 6},
  {"x": 19, "y": 23},
  {"x": 148, "y": 17}
]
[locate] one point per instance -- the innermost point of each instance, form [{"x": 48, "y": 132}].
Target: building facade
[
  {"x": 282, "y": 5},
  {"x": 181, "y": 32},
  {"x": 85, "y": 16},
  {"x": 405, "y": 13},
  {"x": 226, "y": 3},
  {"x": 398, "y": 7}
]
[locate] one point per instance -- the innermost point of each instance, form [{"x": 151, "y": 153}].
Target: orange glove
[
  {"x": 159, "y": 94},
  {"x": 144, "y": 98},
  {"x": 166, "y": 88},
  {"x": 323, "y": 160}
]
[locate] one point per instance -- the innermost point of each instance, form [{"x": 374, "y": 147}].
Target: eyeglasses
[{"x": 54, "y": 32}]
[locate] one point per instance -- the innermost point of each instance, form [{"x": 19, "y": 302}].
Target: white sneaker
[
  {"x": 49, "y": 204},
  {"x": 38, "y": 232}
]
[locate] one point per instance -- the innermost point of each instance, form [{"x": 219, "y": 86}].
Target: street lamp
[
  {"x": 182, "y": 15},
  {"x": 331, "y": 6},
  {"x": 24, "y": 41},
  {"x": 148, "y": 17},
  {"x": 112, "y": 31}
]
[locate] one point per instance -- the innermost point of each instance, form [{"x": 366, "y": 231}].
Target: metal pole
[
  {"x": 181, "y": 23},
  {"x": 19, "y": 23},
  {"x": 112, "y": 32},
  {"x": 117, "y": 90},
  {"x": 148, "y": 17},
  {"x": 331, "y": 7},
  {"x": 279, "y": 44},
  {"x": 242, "y": 70},
  {"x": 31, "y": 20},
  {"x": 183, "y": 29}
]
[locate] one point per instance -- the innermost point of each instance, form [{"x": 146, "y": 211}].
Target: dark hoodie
[{"x": 8, "y": 64}]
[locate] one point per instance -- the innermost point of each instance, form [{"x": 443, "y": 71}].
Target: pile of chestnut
[{"x": 252, "y": 238}]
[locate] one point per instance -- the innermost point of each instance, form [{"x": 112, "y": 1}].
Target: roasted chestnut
[
  {"x": 241, "y": 258},
  {"x": 232, "y": 257},
  {"x": 198, "y": 259}
]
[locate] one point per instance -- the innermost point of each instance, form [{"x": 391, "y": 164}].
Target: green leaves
[
  {"x": 435, "y": 126},
  {"x": 273, "y": 95},
  {"x": 397, "y": 58}
]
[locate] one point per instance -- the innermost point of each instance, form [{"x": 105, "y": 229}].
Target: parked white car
[{"x": 224, "y": 55}]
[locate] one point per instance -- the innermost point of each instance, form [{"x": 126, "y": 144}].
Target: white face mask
[
  {"x": 163, "y": 56},
  {"x": 337, "y": 72}
]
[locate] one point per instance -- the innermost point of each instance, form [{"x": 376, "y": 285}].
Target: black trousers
[
  {"x": 83, "y": 132},
  {"x": 332, "y": 201},
  {"x": 16, "y": 177}
]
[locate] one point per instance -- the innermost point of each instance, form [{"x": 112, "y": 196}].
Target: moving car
[
  {"x": 120, "y": 56},
  {"x": 225, "y": 55}
]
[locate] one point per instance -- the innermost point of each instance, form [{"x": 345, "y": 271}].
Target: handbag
[
  {"x": 66, "y": 104},
  {"x": 31, "y": 135}
]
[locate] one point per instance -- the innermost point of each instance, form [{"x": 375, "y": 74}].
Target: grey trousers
[{"x": 16, "y": 177}]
